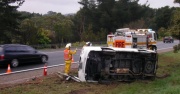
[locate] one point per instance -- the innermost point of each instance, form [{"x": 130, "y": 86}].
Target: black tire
[
  {"x": 44, "y": 59},
  {"x": 149, "y": 67},
  {"x": 14, "y": 63},
  {"x": 154, "y": 48}
]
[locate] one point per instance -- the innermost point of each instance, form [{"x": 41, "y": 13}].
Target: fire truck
[{"x": 128, "y": 38}]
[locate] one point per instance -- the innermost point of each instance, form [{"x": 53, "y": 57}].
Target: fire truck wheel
[{"x": 154, "y": 48}]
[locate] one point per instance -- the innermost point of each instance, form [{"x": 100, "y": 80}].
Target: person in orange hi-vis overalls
[{"x": 68, "y": 58}]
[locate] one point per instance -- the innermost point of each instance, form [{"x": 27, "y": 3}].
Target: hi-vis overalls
[{"x": 68, "y": 59}]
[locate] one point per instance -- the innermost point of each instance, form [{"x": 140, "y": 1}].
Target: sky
[{"x": 72, "y": 6}]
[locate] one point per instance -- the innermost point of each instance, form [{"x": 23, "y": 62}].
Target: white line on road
[
  {"x": 34, "y": 69},
  {"x": 165, "y": 48}
]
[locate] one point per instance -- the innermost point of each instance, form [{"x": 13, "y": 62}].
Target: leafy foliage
[
  {"x": 177, "y": 1},
  {"x": 92, "y": 22},
  {"x": 163, "y": 17},
  {"x": 9, "y": 20},
  {"x": 175, "y": 24}
]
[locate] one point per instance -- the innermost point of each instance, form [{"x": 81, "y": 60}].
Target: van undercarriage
[{"x": 120, "y": 66}]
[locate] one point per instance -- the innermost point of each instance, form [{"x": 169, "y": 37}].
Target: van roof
[{"x": 99, "y": 48}]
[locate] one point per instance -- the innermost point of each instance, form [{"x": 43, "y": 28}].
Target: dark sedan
[{"x": 15, "y": 54}]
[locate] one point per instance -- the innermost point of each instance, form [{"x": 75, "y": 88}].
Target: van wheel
[
  {"x": 14, "y": 63},
  {"x": 43, "y": 59}
]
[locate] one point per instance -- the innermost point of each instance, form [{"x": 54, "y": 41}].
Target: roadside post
[{"x": 45, "y": 70}]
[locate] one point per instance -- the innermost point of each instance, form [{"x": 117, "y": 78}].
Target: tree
[
  {"x": 175, "y": 23},
  {"x": 28, "y": 32},
  {"x": 111, "y": 14},
  {"x": 63, "y": 31},
  {"x": 78, "y": 21},
  {"x": 136, "y": 24},
  {"x": 43, "y": 36},
  {"x": 163, "y": 17},
  {"x": 88, "y": 34},
  {"x": 162, "y": 32},
  {"x": 177, "y": 1},
  {"x": 9, "y": 20},
  {"x": 101, "y": 35}
]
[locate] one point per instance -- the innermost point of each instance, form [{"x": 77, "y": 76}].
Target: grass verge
[{"x": 168, "y": 82}]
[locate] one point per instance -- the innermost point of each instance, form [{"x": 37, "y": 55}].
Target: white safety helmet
[
  {"x": 68, "y": 45},
  {"x": 88, "y": 43}
]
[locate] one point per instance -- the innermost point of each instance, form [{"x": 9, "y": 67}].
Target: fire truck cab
[{"x": 127, "y": 38}]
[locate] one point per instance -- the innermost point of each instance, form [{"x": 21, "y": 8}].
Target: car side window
[
  {"x": 30, "y": 48},
  {"x": 21, "y": 49},
  {"x": 10, "y": 49}
]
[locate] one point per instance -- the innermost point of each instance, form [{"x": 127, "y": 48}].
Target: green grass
[{"x": 169, "y": 64}]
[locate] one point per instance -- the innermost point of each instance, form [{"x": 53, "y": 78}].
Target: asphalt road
[{"x": 56, "y": 57}]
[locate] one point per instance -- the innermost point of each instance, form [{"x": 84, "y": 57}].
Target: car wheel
[
  {"x": 14, "y": 63},
  {"x": 43, "y": 59}
]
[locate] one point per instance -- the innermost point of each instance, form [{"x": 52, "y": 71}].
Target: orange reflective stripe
[{"x": 66, "y": 55}]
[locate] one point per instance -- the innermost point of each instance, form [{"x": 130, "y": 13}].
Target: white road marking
[
  {"x": 35, "y": 69},
  {"x": 165, "y": 48}
]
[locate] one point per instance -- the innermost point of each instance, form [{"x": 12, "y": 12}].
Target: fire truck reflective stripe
[
  {"x": 152, "y": 43},
  {"x": 141, "y": 43},
  {"x": 128, "y": 43}
]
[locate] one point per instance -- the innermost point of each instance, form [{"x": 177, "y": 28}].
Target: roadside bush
[
  {"x": 175, "y": 47},
  {"x": 178, "y": 47},
  {"x": 54, "y": 46},
  {"x": 78, "y": 44}
]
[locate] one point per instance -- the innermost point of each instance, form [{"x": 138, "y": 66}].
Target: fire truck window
[
  {"x": 134, "y": 42},
  {"x": 119, "y": 34},
  {"x": 155, "y": 36},
  {"x": 150, "y": 35}
]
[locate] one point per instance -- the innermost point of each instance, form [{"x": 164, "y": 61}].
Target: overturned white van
[{"x": 120, "y": 64}]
